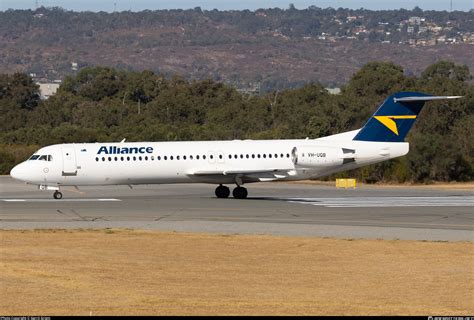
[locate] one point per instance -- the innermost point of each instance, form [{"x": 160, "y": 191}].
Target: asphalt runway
[{"x": 272, "y": 208}]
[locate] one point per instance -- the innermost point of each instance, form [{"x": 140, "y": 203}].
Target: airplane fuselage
[
  {"x": 219, "y": 162},
  {"x": 227, "y": 162}
]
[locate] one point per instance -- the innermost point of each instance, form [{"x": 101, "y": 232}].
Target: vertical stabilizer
[{"x": 395, "y": 117}]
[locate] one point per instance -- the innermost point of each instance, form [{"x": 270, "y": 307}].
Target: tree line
[{"x": 106, "y": 104}]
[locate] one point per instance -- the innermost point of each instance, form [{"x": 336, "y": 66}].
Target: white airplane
[{"x": 226, "y": 162}]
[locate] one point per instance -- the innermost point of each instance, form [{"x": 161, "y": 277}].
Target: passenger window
[
  {"x": 276, "y": 155},
  {"x": 281, "y": 155},
  {"x": 165, "y": 158},
  {"x": 110, "y": 158},
  {"x": 96, "y": 159},
  {"x": 230, "y": 156},
  {"x": 134, "y": 158},
  {"x": 247, "y": 156},
  {"x": 253, "y": 156},
  {"x": 197, "y": 157},
  {"x": 128, "y": 158},
  {"x": 121, "y": 158},
  {"x": 191, "y": 157},
  {"x": 158, "y": 158},
  {"x": 103, "y": 158},
  {"x": 115, "y": 158},
  {"x": 211, "y": 156},
  {"x": 152, "y": 158},
  {"x": 177, "y": 157},
  {"x": 287, "y": 155},
  {"x": 258, "y": 155},
  {"x": 264, "y": 155},
  {"x": 241, "y": 156},
  {"x": 220, "y": 156},
  {"x": 235, "y": 156},
  {"x": 269, "y": 155},
  {"x": 171, "y": 157},
  {"x": 184, "y": 157},
  {"x": 204, "y": 157}
]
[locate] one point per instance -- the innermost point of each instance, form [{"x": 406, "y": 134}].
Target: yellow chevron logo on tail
[{"x": 389, "y": 121}]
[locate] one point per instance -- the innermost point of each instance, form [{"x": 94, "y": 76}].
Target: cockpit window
[{"x": 42, "y": 157}]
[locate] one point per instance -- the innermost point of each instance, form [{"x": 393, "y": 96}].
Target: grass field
[{"x": 126, "y": 272}]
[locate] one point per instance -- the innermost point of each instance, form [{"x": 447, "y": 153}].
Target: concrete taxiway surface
[{"x": 272, "y": 208}]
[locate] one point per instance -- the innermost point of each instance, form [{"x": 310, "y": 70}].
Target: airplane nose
[{"x": 18, "y": 172}]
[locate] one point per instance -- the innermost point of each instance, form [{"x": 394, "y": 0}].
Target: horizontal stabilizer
[{"x": 425, "y": 98}]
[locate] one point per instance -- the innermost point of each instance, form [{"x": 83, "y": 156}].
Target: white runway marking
[
  {"x": 59, "y": 201},
  {"x": 367, "y": 202}
]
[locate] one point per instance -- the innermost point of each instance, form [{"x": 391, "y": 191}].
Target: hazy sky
[{"x": 138, "y": 5}]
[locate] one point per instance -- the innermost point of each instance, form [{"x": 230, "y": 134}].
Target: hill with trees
[
  {"x": 275, "y": 48},
  {"x": 107, "y": 104}
]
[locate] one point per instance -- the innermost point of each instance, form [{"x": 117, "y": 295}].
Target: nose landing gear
[{"x": 57, "y": 195}]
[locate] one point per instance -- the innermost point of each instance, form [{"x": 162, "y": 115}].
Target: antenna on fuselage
[{"x": 123, "y": 140}]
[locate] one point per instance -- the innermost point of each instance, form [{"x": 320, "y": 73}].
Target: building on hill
[
  {"x": 48, "y": 89},
  {"x": 333, "y": 90}
]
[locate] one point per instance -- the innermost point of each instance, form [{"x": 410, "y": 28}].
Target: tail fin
[{"x": 394, "y": 118}]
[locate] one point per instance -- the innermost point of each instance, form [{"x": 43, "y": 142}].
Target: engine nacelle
[{"x": 317, "y": 157}]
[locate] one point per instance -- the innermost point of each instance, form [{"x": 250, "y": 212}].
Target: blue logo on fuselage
[{"x": 124, "y": 150}]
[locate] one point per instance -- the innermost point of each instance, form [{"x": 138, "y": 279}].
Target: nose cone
[{"x": 19, "y": 172}]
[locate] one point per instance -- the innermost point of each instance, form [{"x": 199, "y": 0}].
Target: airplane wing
[
  {"x": 262, "y": 175},
  {"x": 230, "y": 172}
]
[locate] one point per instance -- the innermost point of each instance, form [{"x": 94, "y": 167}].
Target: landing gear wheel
[
  {"x": 222, "y": 192},
  {"x": 57, "y": 195},
  {"x": 240, "y": 193}
]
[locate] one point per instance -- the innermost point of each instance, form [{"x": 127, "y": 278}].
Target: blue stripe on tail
[{"x": 392, "y": 120}]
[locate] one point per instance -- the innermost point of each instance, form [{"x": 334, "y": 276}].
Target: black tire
[
  {"x": 240, "y": 193},
  {"x": 222, "y": 192},
  {"x": 57, "y": 195}
]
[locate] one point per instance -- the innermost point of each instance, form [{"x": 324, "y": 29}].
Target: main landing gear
[
  {"x": 57, "y": 195},
  {"x": 238, "y": 192},
  {"x": 222, "y": 191}
]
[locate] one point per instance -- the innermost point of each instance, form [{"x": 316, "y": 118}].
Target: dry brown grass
[{"x": 157, "y": 273}]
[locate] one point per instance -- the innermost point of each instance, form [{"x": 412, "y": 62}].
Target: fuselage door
[{"x": 69, "y": 161}]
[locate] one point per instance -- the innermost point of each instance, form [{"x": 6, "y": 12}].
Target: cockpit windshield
[{"x": 41, "y": 157}]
